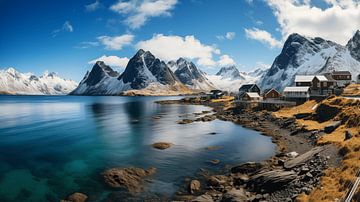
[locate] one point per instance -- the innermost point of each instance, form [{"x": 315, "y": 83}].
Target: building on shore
[
  {"x": 216, "y": 94},
  {"x": 358, "y": 79},
  {"x": 271, "y": 94},
  {"x": 297, "y": 93},
  {"x": 250, "y": 88},
  {"x": 320, "y": 85},
  {"x": 342, "y": 78},
  {"x": 248, "y": 96}
]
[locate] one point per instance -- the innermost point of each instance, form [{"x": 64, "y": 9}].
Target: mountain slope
[
  {"x": 14, "y": 82},
  {"x": 303, "y": 55}
]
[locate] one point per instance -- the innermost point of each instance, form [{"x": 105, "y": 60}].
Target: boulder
[
  {"x": 331, "y": 127},
  {"x": 246, "y": 168},
  {"x": 194, "y": 186},
  {"x": 162, "y": 145},
  {"x": 217, "y": 180},
  {"x": 303, "y": 158},
  {"x": 235, "y": 195},
  {"x": 348, "y": 135},
  {"x": 185, "y": 121},
  {"x": 128, "y": 178},
  {"x": 203, "y": 198},
  {"x": 272, "y": 179},
  {"x": 302, "y": 115}
]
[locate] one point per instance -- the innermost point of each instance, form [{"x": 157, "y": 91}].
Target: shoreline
[{"x": 290, "y": 139}]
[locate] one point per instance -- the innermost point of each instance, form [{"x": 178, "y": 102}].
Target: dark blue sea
[{"x": 52, "y": 146}]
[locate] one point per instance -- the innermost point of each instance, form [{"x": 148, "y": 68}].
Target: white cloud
[
  {"x": 66, "y": 27},
  {"x": 337, "y": 22},
  {"x": 93, "y": 6},
  {"x": 116, "y": 42},
  {"x": 137, "y": 12},
  {"x": 263, "y": 36},
  {"x": 228, "y": 35},
  {"x": 113, "y": 61},
  {"x": 87, "y": 44},
  {"x": 173, "y": 47},
  {"x": 226, "y": 60}
]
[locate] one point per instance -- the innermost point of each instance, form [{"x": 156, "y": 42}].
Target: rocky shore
[{"x": 295, "y": 169}]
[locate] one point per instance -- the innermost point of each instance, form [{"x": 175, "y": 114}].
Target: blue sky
[{"x": 64, "y": 36}]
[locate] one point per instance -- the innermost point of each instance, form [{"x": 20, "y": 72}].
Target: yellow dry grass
[
  {"x": 307, "y": 107},
  {"x": 226, "y": 101},
  {"x": 334, "y": 184},
  {"x": 352, "y": 90}
]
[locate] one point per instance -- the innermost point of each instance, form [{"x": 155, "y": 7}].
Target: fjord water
[{"x": 52, "y": 146}]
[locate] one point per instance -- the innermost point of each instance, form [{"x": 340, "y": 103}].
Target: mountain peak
[
  {"x": 353, "y": 45},
  {"x": 229, "y": 72}
]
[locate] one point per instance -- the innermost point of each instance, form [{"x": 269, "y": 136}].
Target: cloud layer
[
  {"x": 113, "y": 61},
  {"x": 116, "y": 42},
  {"x": 173, "y": 47},
  {"x": 137, "y": 12},
  {"x": 337, "y": 22}
]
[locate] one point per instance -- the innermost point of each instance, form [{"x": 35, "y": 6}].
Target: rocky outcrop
[
  {"x": 194, "y": 186},
  {"x": 354, "y": 46},
  {"x": 129, "y": 178}
]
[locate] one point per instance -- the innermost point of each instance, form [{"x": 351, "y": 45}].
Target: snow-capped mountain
[
  {"x": 230, "y": 72},
  {"x": 303, "y": 55},
  {"x": 189, "y": 75},
  {"x": 14, "y": 82},
  {"x": 143, "y": 71},
  {"x": 230, "y": 78}
]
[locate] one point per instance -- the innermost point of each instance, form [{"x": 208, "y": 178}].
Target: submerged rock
[
  {"x": 128, "y": 178},
  {"x": 76, "y": 197},
  {"x": 185, "y": 121},
  {"x": 162, "y": 145}
]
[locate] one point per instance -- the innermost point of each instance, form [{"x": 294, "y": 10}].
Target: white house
[{"x": 297, "y": 93}]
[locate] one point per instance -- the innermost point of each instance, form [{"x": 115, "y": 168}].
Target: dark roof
[
  {"x": 215, "y": 91},
  {"x": 266, "y": 91},
  {"x": 247, "y": 87},
  {"x": 341, "y": 73}
]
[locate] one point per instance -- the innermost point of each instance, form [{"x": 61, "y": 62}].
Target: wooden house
[
  {"x": 297, "y": 93},
  {"x": 216, "y": 94},
  {"x": 245, "y": 96},
  {"x": 342, "y": 78},
  {"x": 271, "y": 94},
  {"x": 320, "y": 85}
]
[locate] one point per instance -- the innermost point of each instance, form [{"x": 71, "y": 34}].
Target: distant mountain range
[
  {"x": 14, "y": 82},
  {"x": 304, "y": 55},
  {"x": 145, "y": 74}
]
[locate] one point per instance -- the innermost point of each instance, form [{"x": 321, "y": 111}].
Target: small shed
[
  {"x": 271, "y": 94},
  {"x": 358, "y": 79}
]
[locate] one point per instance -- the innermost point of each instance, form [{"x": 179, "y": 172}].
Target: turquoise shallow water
[{"x": 51, "y": 146}]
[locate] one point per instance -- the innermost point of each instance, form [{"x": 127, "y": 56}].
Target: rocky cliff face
[
  {"x": 354, "y": 46},
  {"x": 303, "y": 55}
]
